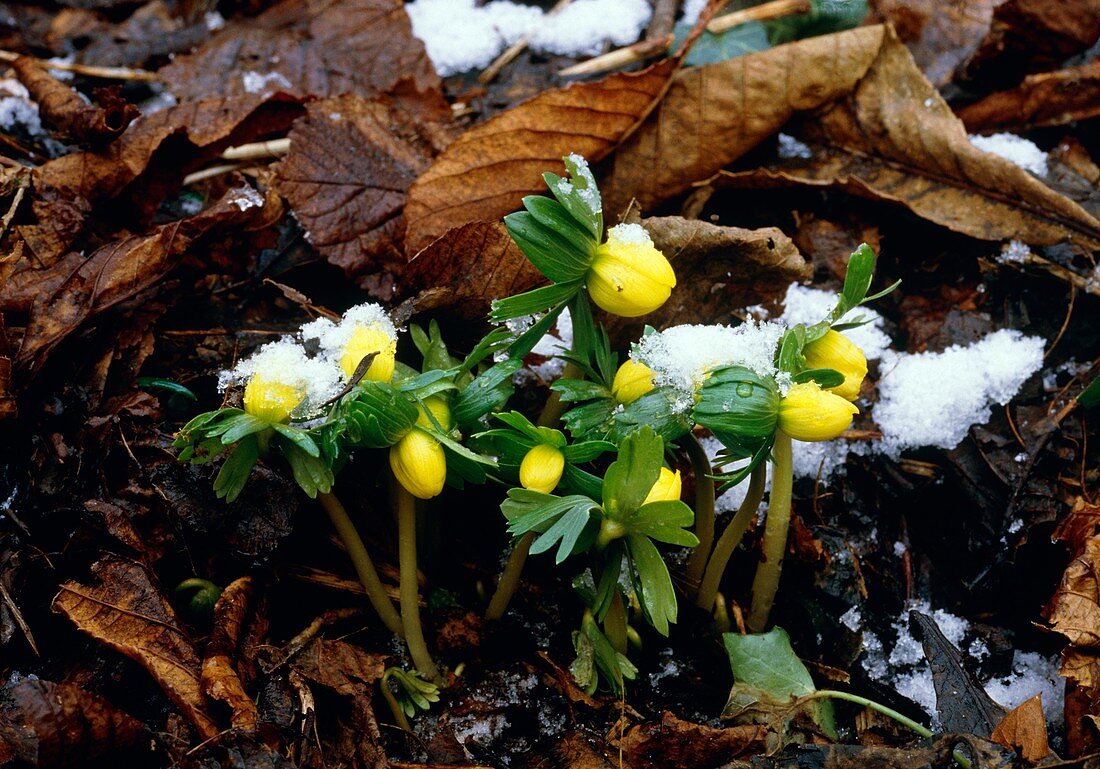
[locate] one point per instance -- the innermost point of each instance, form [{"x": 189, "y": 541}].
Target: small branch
[
  {"x": 773, "y": 10},
  {"x": 87, "y": 70},
  {"x": 273, "y": 148},
  {"x": 210, "y": 173},
  {"x": 640, "y": 51},
  {"x": 514, "y": 50},
  {"x": 663, "y": 19}
]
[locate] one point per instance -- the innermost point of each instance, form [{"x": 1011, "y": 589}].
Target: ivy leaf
[
  {"x": 653, "y": 582},
  {"x": 236, "y": 469},
  {"x": 1090, "y": 396},
  {"x": 631, "y": 476}
]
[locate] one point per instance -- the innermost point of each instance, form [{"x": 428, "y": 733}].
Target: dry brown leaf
[
  {"x": 1049, "y": 98},
  {"x": 220, "y": 679},
  {"x": 152, "y": 31},
  {"x": 1074, "y": 610},
  {"x": 348, "y": 172},
  {"x": 486, "y": 172},
  {"x": 467, "y": 268},
  {"x": 127, "y": 612},
  {"x": 895, "y": 139},
  {"x": 61, "y": 106},
  {"x": 60, "y": 216},
  {"x": 307, "y": 48},
  {"x": 714, "y": 114},
  {"x": 1025, "y": 729},
  {"x": 59, "y": 725},
  {"x": 339, "y": 666},
  {"x": 675, "y": 742}
]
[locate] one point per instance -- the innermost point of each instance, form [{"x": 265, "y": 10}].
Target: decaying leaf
[
  {"x": 126, "y": 611},
  {"x": 220, "y": 678},
  {"x": 1025, "y": 729},
  {"x": 486, "y": 172},
  {"x": 58, "y": 725},
  {"x": 895, "y": 139},
  {"x": 675, "y": 742},
  {"x": 151, "y": 31},
  {"x": 1048, "y": 98},
  {"x": 1074, "y": 610},
  {"x": 350, "y": 165},
  {"x": 60, "y": 106},
  {"x": 312, "y": 48}
]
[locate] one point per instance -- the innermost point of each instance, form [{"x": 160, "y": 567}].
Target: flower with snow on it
[
  {"x": 363, "y": 330},
  {"x": 628, "y": 275},
  {"x": 631, "y": 382},
  {"x": 282, "y": 382},
  {"x": 808, "y": 413},
  {"x": 836, "y": 351}
]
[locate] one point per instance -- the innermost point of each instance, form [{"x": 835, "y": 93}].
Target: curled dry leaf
[
  {"x": 349, "y": 168},
  {"x": 895, "y": 139},
  {"x": 58, "y": 725},
  {"x": 1074, "y": 611},
  {"x": 1049, "y": 98},
  {"x": 1025, "y": 730},
  {"x": 307, "y": 48},
  {"x": 486, "y": 172},
  {"x": 220, "y": 678},
  {"x": 60, "y": 106},
  {"x": 126, "y": 611},
  {"x": 675, "y": 742}
]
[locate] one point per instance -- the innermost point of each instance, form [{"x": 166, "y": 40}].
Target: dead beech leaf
[
  {"x": 713, "y": 115},
  {"x": 126, "y": 611},
  {"x": 151, "y": 31},
  {"x": 60, "y": 725},
  {"x": 675, "y": 742},
  {"x": 1025, "y": 729},
  {"x": 62, "y": 107},
  {"x": 349, "y": 168},
  {"x": 1045, "y": 99},
  {"x": 220, "y": 679},
  {"x": 468, "y": 267},
  {"x": 1074, "y": 611},
  {"x": 339, "y": 666},
  {"x": 895, "y": 139},
  {"x": 59, "y": 215},
  {"x": 307, "y": 48},
  {"x": 486, "y": 172}
]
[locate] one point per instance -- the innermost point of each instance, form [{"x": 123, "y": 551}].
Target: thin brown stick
[
  {"x": 514, "y": 50},
  {"x": 773, "y": 10},
  {"x": 88, "y": 70},
  {"x": 663, "y": 19},
  {"x": 272, "y": 148},
  {"x": 640, "y": 51}
]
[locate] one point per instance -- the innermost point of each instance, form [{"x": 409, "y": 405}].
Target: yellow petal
[
  {"x": 418, "y": 463},
  {"x": 836, "y": 351},
  {"x": 632, "y": 381},
  {"x": 271, "y": 401},
  {"x": 808, "y": 413},
  {"x": 365, "y": 340},
  {"x": 666, "y": 489},
  {"x": 541, "y": 468},
  {"x": 437, "y": 405},
  {"x": 628, "y": 276}
]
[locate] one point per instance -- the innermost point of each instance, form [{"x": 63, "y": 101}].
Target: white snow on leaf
[{"x": 1011, "y": 147}]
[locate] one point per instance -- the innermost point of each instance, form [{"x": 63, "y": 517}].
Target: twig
[
  {"x": 773, "y": 10},
  {"x": 663, "y": 20},
  {"x": 18, "y": 616},
  {"x": 15, "y": 201},
  {"x": 210, "y": 173},
  {"x": 88, "y": 70},
  {"x": 514, "y": 50},
  {"x": 272, "y": 148},
  {"x": 640, "y": 51}
]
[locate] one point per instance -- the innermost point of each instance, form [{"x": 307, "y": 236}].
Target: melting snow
[{"x": 1020, "y": 151}]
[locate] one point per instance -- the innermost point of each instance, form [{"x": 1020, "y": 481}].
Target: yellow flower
[
  {"x": 808, "y": 413},
  {"x": 271, "y": 401},
  {"x": 365, "y": 340},
  {"x": 541, "y": 468},
  {"x": 836, "y": 351},
  {"x": 439, "y": 409},
  {"x": 419, "y": 465},
  {"x": 666, "y": 489},
  {"x": 628, "y": 276},
  {"x": 632, "y": 381}
]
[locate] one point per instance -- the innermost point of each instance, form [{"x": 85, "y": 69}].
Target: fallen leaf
[
  {"x": 713, "y": 115},
  {"x": 1074, "y": 611},
  {"x": 126, "y": 611},
  {"x": 830, "y": 244},
  {"x": 1078, "y": 527},
  {"x": 150, "y": 32},
  {"x": 61, "y": 106},
  {"x": 468, "y": 267},
  {"x": 675, "y": 742},
  {"x": 349, "y": 168},
  {"x": 60, "y": 215},
  {"x": 1049, "y": 98},
  {"x": 60, "y": 725},
  {"x": 312, "y": 48},
  {"x": 1025, "y": 729},
  {"x": 220, "y": 679},
  {"x": 9, "y": 409},
  {"x": 486, "y": 172},
  {"x": 895, "y": 139}
]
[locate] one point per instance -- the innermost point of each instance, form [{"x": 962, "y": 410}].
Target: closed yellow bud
[
  {"x": 836, "y": 351},
  {"x": 418, "y": 463},
  {"x": 808, "y": 413},
  {"x": 541, "y": 468},
  {"x": 365, "y": 340},
  {"x": 439, "y": 409},
  {"x": 628, "y": 276},
  {"x": 271, "y": 401},
  {"x": 666, "y": 489},
  {"x": 632, "y": 381}
]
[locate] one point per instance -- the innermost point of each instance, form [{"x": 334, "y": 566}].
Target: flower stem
[
  {"x": 509, "y": 580},
  {"x": 731, "y": 538},
  {"x": 395, "y": 707},
  {"x": 364, "y": 566},
  {"x": 766, "y": 582},
  {"x": 555, "y": 407},
  {"x": 614, "y": 624},
  {"x": 410, "y": 603},
  {"x": 704, "y": 508}
]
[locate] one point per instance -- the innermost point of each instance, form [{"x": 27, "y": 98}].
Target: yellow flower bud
[
  {"x": 632, "y": 381},
  {"x": 836, "y": 351},
  {"x": 418, "y": 463},
  {"x": 271, "y": 401},
  {"x": 808, "y": 413},
  {"x": 628, "y": 276},
  {"x": 365, "y": 340},
  {"x": 541, "y": 468},
  {"x": 666, "y": 489},
  {"x": 439, "y": 409}
]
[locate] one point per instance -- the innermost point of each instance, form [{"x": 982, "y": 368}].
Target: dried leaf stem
[
  {"x": 104, "y": 73},
  {"x": 773, "y": 10}
]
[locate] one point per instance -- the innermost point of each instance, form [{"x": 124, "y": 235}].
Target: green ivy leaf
[
  {"x": 1090, "y": 396},
  {"x": 749, "y": 37}
]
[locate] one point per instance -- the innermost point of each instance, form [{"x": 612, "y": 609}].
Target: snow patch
[
  {"x": 790, "y": 147},
  {"x": 258, "y": 82},
  {"x": 1011, "y": 147},
  {"x": 808, "y": 306}
]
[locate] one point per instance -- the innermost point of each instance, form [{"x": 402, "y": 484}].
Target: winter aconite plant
[{"x": 595, "y": 475}]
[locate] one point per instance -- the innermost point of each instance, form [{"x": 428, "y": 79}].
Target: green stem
[
  {"x": 614, "y": 624},
  {"x": 509, "y": 580},
  {"x": 555, "y": 407},
  {"x": 766, "y": 582},
  {"x": 731, "y": 538},
  {"x": 395, "y": 707},
  {"x": 704, "y": 509},
  {"x": 360, "y": 559},
  {"x": 410, "y": 599}
]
